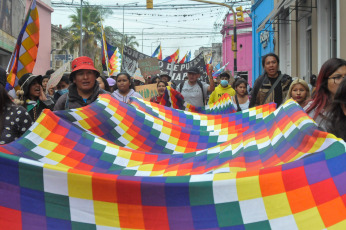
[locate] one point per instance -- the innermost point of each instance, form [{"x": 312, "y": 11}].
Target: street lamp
[
  {"x": 124, "y": 22},
  {"x": 142, "y": 35}
]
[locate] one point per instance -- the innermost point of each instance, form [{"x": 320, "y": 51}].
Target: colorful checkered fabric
[
  {"x": 204, "y": 122},
  {"x": 280, "y": 173},
  {"x": 24, "y": 56},
  {"x": 172, "y": 98}
]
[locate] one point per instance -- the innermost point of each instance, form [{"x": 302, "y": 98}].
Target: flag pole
[
  {"x": 14, "y": 51},
  {"x": 104, "y": 47}
]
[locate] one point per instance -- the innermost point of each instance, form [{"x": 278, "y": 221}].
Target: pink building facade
[
  {"x": 244, "y": 46},
  {"x": 44, "y": 48}
]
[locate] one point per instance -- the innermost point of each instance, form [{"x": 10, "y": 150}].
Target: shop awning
[{"x": 282, "y": 5}]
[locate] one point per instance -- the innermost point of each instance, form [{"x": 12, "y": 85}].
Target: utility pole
[
  {"x": 143, "y": 35},
  {"x": 234, "y": 27},
  {"x": 81, "y": 29},
  {"x": 123, "y": 38}
]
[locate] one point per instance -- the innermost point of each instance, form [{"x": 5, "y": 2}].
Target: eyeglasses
[{"x": 337, "y": 79}]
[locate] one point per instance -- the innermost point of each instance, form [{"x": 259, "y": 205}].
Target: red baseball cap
[{"x": 83, "y": 62}]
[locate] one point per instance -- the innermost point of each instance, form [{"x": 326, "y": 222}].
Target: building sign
[
  {"x": 7, "y": 42},
  {"x": 264, "y": 38},
  {"x": 63, "y": 57}
]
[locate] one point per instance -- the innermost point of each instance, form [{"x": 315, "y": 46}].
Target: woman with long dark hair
[
  {"x": 124, "y": 88},
  {"x": 103, "y": 83},
  {"x": 330, "y": 76},
  {"x": 336, "y": 113},
  {"x": 241, "y": 99},
  {"x": 14, "y": 119}
]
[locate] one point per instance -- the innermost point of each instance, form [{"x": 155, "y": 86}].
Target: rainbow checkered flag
[
  {"x": 183, "y": 60},
  {"x": 115, "y": 61},
  {"x": 173, "y": 58},
  {"x": 110, "y": 165},
  {"x": 157, "y": 53},
  {"x": 188, "y": 57},
  {"x": 174, "y": 99},
  {"x": 219, "y": 71},
  {"x": 23, "y": 58},
  {"x": 111, "y": 56}
]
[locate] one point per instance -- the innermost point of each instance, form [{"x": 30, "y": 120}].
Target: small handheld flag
[{"x": 24, "y": 55}]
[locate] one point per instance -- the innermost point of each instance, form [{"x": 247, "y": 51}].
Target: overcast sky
[{"x": 174, "y": 26}]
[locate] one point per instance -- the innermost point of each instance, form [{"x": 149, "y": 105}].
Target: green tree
[
  {"x": 92, "y": 34},
  {"x": 113, "y": 36},
  {"x": 117, "y": 39},
  {"x": 91, "y": 29},
  {"x": 130, "y": 41}
]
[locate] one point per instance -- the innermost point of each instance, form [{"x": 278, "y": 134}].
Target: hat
[
  {"x": 111, "y": 81},
  {"x": 83, "y": 62},
  {"x": 162, "y": 74},
  {"x": 193, "y": 69},
  {"x": 3, "y": 77},
  {"x": 27, "y": 79}
]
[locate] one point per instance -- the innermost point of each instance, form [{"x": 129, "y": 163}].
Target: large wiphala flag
[{"x": 111, "y": 165}]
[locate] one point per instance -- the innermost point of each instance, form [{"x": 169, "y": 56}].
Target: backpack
[{"x": 200, "y": 85}]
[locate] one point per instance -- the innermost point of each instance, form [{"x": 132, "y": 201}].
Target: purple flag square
[
  {"x": 340, "y": 183},
  {"x": 317, "y": 172},
  {"x": 32, "y": 221},
  {"x": 180, "y": 217},
  {"x": 9, "y": 196}
]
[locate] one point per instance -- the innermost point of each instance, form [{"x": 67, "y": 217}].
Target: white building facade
[{"x": 307, "y": 33}]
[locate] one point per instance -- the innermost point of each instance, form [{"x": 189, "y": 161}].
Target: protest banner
[
  {"x": 177, "y": 71},
  {"x": 147, "y": 91},
  {"x": 149, "y": 66},
  {"x": 138, "y": 76},
  {"x": 56, "y": 76}
]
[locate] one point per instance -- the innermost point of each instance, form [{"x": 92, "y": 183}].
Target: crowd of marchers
[{"x": 323, "y": 99}]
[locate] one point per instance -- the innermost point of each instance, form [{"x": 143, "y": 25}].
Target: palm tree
[
  {"x": 117, "y": 39},
  {"x": 130, "y": 41},
  {"x": 91, "y": 29},
  {"x": 113, "y": 36},
  {"x": 92, "y": 35}
]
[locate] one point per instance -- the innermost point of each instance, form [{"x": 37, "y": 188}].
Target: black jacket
[
  {"x": 72, "y": 100},
  {"x": 37, "y": 110},
  {"x": 262, "y": 87}
]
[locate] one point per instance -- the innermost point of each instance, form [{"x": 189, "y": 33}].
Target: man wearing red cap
[{"x": 84, "y": 88}]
